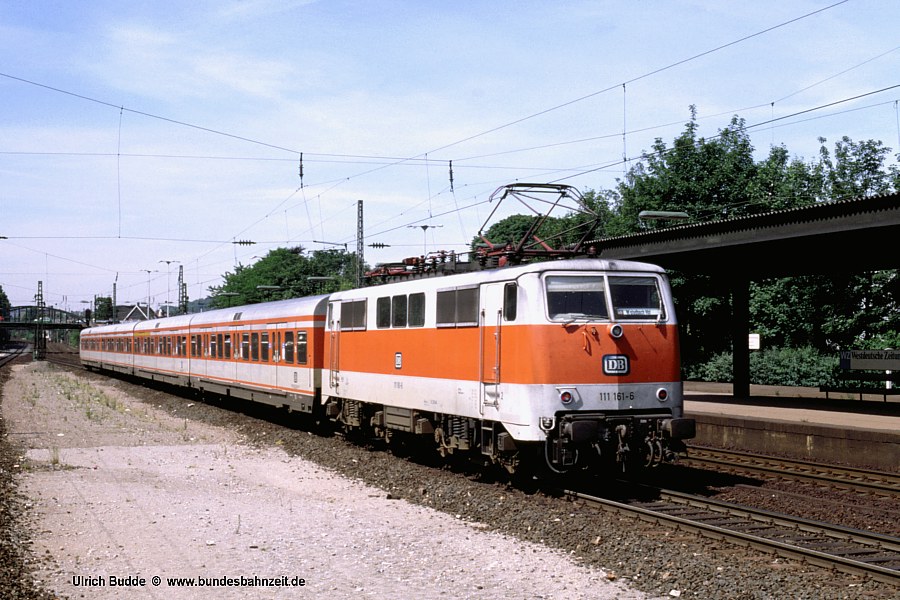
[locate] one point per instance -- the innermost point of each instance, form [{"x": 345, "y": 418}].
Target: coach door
[
  {"x": 491, "y": 318},
  {"x": 334, "y": 345},
  {"x": 275, "y": 341}
]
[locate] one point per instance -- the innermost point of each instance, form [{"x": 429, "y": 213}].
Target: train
[{"x": 548, "y": 367}]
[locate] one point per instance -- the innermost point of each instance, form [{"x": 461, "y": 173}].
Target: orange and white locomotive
[{"x": 563, "y": 364}]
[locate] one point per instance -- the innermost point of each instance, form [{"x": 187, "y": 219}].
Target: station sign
[{"x": 876, "y": 360}]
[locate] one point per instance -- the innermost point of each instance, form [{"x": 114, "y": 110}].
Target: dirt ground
[{"x": 126, "y": 500}]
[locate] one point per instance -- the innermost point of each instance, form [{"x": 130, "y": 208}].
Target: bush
[{"x": 805, "y": 367}]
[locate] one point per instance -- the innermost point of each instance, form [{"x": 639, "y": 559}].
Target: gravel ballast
[{"x": 452, "y": 530}]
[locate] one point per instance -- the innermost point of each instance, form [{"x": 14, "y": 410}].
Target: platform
[{"x": 797, "y": 422}]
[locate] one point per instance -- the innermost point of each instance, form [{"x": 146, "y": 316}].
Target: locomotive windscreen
[
  {"x": 584, "y": 296},
  {"x": 636, "y": 298},
  {"x": 581, "y": 296}
]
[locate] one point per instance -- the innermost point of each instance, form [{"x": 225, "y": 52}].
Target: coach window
[
  {"x": 227, "y": 351},
  {"x": 254, "y": 347},
  {"x": 213, "y": 346},
  {"x": 219, "y": 349},
  {"x": 510, "y": 301},
  {"x": 383, "y": 312},
  {"x": 245, "y": 346},
  {"x": 398, "y": 311},
  {"x": 289, "y": 347},
  {"x": 417, "y": 310},
  {"x": 301, "y": 347},
  {"x": 264, "y": 346}
]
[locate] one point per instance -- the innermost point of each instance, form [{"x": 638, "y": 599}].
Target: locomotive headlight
[
  {"x": 566, "y": 397},
  {"x": 615, "y": 331},
  {"x": 662, "y": 394}
]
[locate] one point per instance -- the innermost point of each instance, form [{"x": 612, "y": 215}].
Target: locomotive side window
[
  {"x": 289, "y": 347},
  {"x": 398, "y": 311},
  {"x": 510, "y": 301},
  {"x": 636, "y": 298},
  {"x": 467, "y": 307},
  {"x": 383, "y": 312},
  {"x": 446, "y": 308},
  {"x": 576, "y": 297},
  {"x": 301, "y": 347},
  {"x": 417, "y": 310}
]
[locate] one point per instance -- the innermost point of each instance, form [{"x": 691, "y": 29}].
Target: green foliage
[
  {"x": 103, "y": 309},
  {"x": 804, "y": 366},
  {"x": 5, "y": 307},
  {"x": 718, "y": 178},
  {"x": 286, "y": 273}
]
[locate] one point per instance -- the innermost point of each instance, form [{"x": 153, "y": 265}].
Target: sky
[{"x": 137, "y": 138}]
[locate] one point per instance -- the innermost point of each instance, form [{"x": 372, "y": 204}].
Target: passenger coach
[{"x": 268, "y": 353}]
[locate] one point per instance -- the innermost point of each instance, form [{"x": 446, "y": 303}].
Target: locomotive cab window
[
  {"x": 353, "y": 315},
  {"x": 576, "y": 297},
  {"x": 457, "y": 307}
]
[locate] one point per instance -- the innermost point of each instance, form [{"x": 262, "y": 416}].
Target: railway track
[
  {"x": 829, "y": 546},
  {"x": 11, "y": 352},
  {"x": 877, "y": 483}
]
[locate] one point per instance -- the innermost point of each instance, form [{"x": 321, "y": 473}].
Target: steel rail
[
  {"x": 849, "y": 478},
  {"x": 746, "y": 526},
  {"x": 10, "y": 354}
]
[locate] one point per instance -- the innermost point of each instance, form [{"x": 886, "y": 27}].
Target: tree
[
  {"x": 857, "y": 169},
  {"x": 5, "y": 308},
  {"x": 718, "y": 178},
  {"x": 286, "y": 273},
  {"x": 103, "y": 309}
]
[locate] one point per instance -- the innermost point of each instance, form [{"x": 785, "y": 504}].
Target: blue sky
[{"x": 134, "y": 133}]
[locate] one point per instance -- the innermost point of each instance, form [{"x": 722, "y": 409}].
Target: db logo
[{"x": 615, "y": 364}]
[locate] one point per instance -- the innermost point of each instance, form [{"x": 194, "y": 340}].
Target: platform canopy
[{"x": 840, "y": 237}]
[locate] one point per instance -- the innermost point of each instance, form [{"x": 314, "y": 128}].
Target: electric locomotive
[{"x": 562, "y": 364}]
